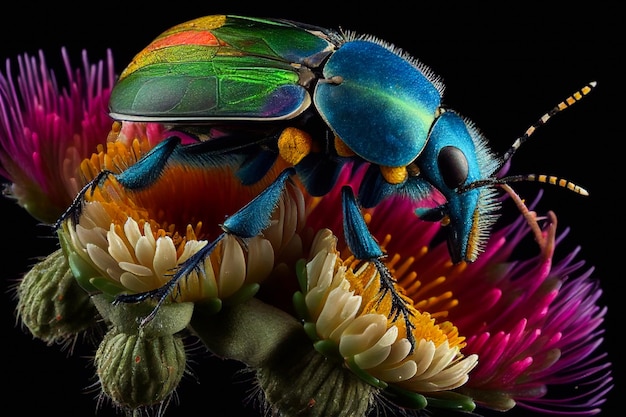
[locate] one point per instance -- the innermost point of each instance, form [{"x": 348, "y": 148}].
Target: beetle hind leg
[
  {"x": 162, "y": 293},
  {"x": 247, "y": 222},
  {"x": 364, "y": 247}
]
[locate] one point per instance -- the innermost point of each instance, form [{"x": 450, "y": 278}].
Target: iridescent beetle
[{"x": 255, "y": 89}]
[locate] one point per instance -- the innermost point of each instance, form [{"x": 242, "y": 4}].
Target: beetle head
[{"x": 456, "y": 155}]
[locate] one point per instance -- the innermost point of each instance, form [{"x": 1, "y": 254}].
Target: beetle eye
[{"x": 453, "y": 166}]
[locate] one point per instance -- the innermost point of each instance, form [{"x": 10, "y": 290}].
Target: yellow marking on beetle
[
  {"x": 294, "y": 144},
  {"x": 394, "y": 175},
  {"x": 342, "y": 149}
]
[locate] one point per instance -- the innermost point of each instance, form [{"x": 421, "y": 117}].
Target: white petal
[
  {"x": 138, "y": 284},
  {"x": 117, "y": 247},
  {"x": 362, "y": 333},
  {"x": 260, "y": 259},
  {"x": 103, "y": 260},
  {"x": 164, "y": 258},
  {"x": 233, "y": 268},
  {"x": 423, "y": 356},
  {"x": 95, "y": 236},
  {"x": 403, "y": 372},
  {"x": 144, "y": 251},
  {"x": 131, "y": 229},
  {"x": 135, "y": 269}
]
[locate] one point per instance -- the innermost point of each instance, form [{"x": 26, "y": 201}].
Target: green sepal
[
  {"x": 406, "y": 398},
  {"x": 363, "y": 375},
  {"x": 170, "y": 318},
  {"x": 107, "y": 286},
  {"x": 328, "y": 348},
  {"x": 451, "y": 400},
  {"x": 243, "y": 294},
  {"x": 311, "y": 331},
  {"x": 301, "y": 274},
  {"x": 83, "y": 271},
  {"x": 209, "y": 306},
  {"x": 299, "y": 304}
]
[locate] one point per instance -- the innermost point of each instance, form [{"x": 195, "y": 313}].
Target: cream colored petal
[
  {"x": 191, "y": 248},
  {"x": 334, "y": 313},
  {"x": 132, "y": 232},
  {"x": 164, "y": 261},
  {"x": 117, "y": 247},
  {"x": 401, "y": 372},
  {"x": 321, "y": 269},
  {"x": 95, "y": 236},
  {"x": 362, "y": 333},
  {"x": 103, "y": 261},
  {"x": 138, "y": 284},
  {"x": 376, "y": 354},
  {"x": 209, "y": 281},
  {"x": 399, "y": 351},
  {"x": 94, "y": 215},
  {"x": 233, "y": 268},
  {"x": 423, "y": 356},
  {"x": 147, "y": 232},
  {"x": 443, "y": 357},
  {"x": 260, "y": 259},
  {"x": 135, "y": 269},
  {"x": 144, "y": 251},
  {"x": 324, "y": 241}
]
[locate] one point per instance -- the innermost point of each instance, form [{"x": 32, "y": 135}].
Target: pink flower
[
  {"x": 46, "y": 130},
  {"x": 510, "y": 330}
]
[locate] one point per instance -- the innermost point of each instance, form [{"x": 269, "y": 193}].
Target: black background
[{"x": 502, "y": 66}]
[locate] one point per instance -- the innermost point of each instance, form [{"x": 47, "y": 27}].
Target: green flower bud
[
  {"x": 138, "y": 371},
  {"x": 51, "y": 304},
  {"x": 296, "y": 379}
]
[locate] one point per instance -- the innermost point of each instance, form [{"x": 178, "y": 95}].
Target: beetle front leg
[
  {"x": 141, "y": 174},
  {"x": 364, "y": 247},
  {"x": 247, "y": 222}
]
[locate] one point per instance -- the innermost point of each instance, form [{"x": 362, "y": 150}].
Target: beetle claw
[
  {"x": 75, "y": 209},
  {"x": 399, "y": 305}
]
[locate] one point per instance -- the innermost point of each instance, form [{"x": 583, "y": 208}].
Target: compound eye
[{"x": 453, "y": 166}]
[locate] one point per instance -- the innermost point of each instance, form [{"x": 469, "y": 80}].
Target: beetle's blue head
[{"x": 455, "y": 156}]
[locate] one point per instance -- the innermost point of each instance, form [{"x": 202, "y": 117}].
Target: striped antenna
[
  {"x": 568, "y": 102},
  {"x": 546, "y": 179}
]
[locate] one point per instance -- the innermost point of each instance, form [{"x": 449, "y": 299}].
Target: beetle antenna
[
  {"x": 546, "y": 179},
  {"x": 568, "y": 102}
]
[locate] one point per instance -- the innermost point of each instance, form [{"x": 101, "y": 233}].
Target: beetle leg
[
  {"x": 364, "y": 247},
  {"x": 142, "y": 174},
  {"x": 75, "y": 208},
  {"x": 247, "y": 222}
]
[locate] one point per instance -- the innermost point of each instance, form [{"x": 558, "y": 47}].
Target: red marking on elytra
[{"x": 194, "y": 37}]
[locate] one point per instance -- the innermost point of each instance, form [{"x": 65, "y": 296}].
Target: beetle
[{"x": 252, "y": 90}]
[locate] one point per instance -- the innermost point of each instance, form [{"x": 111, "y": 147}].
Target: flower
[
  {"x": 46, "y": 130},
  {"x": 310, "y": 321}
]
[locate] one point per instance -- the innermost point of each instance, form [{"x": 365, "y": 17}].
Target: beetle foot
[
  {"x": 162, "y": 293},
  {"x": 399, "y": 306},
  {"x": 75, "y": 209},
  {"x": 159, "y": 294}
]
